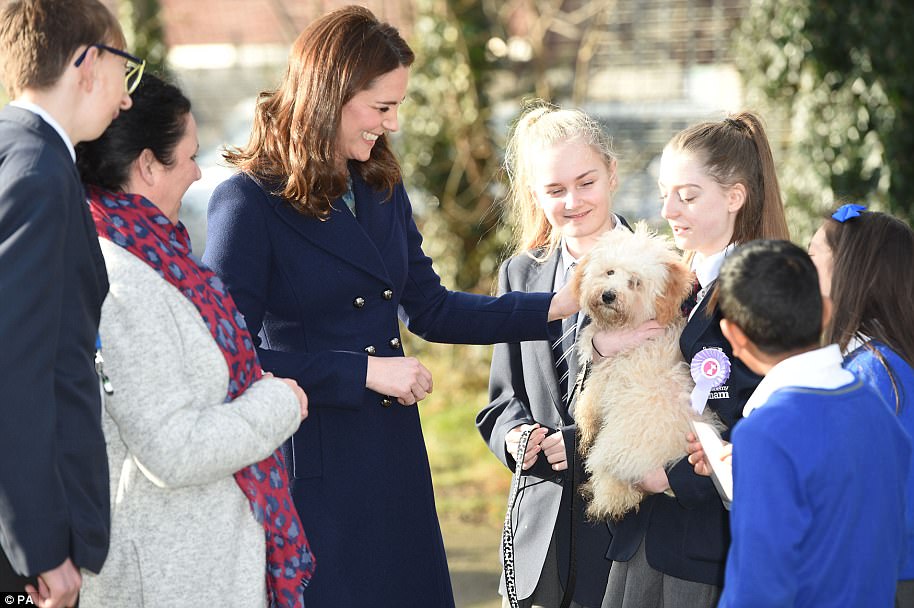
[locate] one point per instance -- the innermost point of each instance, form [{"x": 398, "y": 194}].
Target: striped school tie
[{"x": 563, "y": 347}]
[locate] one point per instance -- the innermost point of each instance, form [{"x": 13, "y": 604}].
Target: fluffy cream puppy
[{"x": 633, "y": 413}]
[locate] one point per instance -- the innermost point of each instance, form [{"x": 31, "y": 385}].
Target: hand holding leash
[
  {"x": 507, "y": 536},
  {"x": 533, "y": 449}
]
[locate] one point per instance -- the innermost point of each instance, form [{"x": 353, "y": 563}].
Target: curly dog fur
[{"x": 633, "y": 413}]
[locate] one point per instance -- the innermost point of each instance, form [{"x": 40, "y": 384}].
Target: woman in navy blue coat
[{"x": 315, "y": 240}]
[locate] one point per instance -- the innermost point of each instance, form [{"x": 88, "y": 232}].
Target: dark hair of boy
[
  {"x": 157, "y": 121},
  {"x": 39, "y": 37},
  {"x": 770, "y": 289}
]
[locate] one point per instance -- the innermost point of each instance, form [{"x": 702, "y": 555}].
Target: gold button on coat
[
  {"x": 386, "y": 401},
  {"x": 394, "y": 343},
  {"x": 387, "y": 294},
  {"x": 359, "y": 302},
  {"x": 370, "y": 349}
]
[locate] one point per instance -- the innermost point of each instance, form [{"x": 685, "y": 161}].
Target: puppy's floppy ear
[{"x": 678, "y": 287}]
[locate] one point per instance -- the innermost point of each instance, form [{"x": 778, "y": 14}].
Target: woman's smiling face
[{"x": 370, "y": 113}]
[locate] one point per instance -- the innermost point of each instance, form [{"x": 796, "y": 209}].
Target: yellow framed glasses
[{"x": 135, "y": 65}]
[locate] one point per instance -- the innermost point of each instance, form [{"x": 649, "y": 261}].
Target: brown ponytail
[{"x": 736, "y": 151}]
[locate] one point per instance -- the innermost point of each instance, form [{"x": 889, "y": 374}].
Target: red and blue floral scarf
[{"x": 137, "y": 225}]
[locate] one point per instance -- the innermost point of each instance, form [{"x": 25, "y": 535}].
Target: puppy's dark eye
[{"x": 610, "y": 273}]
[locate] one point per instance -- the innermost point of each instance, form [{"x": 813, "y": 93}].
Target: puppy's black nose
[{"x": 609, "y": 297}]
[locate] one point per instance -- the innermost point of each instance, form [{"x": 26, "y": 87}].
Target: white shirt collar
[
  {"x": 707, "y": 270},
  {"x": 820, "y": 368},
  {"x": 43, "y": 114},
  {"x": 856, "y": 341},
  {"x": 568, "y": 259}
]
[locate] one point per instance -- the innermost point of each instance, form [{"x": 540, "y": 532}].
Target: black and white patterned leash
[{"x": 507, "y": 536}]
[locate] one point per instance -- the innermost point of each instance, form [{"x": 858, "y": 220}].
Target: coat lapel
[
  {"x": 340, "y": 234},
  {"x": 374, "y": 212},
  {"x": 541, "y": 278},
  {"x": 697, "y": 325}
]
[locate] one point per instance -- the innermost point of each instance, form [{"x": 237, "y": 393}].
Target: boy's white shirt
[
  {"x": 45, "y": 116},
  {"x": 820, "y": 368}
]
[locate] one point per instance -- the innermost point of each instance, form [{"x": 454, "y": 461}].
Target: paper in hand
[{"x": 721, "y": 471}]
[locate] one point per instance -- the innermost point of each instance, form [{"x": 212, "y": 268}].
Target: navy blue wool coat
[{"x": 320, "y": 297}]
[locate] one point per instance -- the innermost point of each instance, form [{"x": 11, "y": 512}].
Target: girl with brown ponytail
[{"x": 718, "y": 189}]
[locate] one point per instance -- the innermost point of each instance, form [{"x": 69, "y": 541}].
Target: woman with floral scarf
[{"x": 201, "y": 511}]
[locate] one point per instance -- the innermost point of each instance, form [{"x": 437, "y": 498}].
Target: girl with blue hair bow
[{"x": 864, "y": 263}]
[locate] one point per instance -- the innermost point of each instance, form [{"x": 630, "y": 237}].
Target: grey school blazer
[{"x": 524, "y": 388}]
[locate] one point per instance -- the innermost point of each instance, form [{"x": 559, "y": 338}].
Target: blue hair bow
[{"x": 846, "y": 212}]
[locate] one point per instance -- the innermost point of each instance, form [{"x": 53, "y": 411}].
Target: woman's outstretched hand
[{"x": 564, "y": 303}]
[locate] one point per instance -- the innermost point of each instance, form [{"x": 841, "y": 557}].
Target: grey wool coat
[
  {"x": 523, "y": 389},
  {"x": 182, "y": 532}
]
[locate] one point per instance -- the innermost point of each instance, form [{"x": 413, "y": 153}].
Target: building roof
[{"x": 244, "y": 22}]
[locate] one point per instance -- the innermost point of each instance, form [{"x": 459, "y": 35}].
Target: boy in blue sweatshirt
[{"x": 819, "y": 463}]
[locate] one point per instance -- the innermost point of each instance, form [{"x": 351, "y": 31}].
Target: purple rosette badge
[{"x": 710, "y": 368}]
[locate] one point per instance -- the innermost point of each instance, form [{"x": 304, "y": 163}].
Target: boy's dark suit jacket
[
  {"x": 53, "y": 466},
  {"x": 524, "y": 388},
  {"x": 688, "y": 536}
]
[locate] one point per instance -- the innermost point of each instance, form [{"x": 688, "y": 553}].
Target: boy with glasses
[{"x": 62, "y": 64}]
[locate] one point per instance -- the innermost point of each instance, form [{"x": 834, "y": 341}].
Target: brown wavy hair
[
  {"x": 292, "y": 149},
  {"x": 736, "y": 151}
]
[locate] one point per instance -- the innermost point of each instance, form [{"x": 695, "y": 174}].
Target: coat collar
[
  {"x": 46, "y": 116},
  {"x": 33, "y": 122},
  {"x": 698, "y": 323},
  {"x": 356, "y": 241}
]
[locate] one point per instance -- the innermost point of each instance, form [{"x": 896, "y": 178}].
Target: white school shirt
[
  {"x": 819, "y": 368},
  {"x": 707, "y": 272},
  {"x": 568, "y": 259}
]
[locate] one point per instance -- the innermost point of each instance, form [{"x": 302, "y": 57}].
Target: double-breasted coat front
[{"x": 320, "y": 297}]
